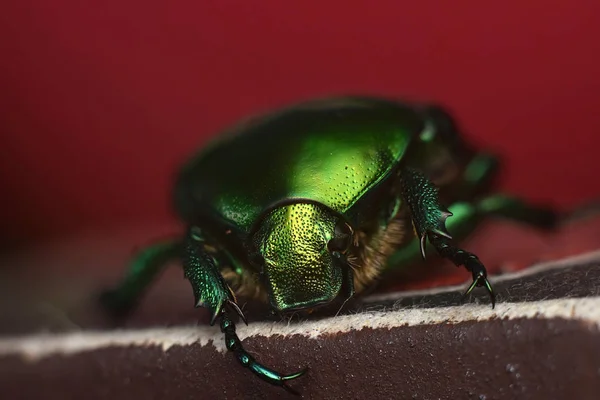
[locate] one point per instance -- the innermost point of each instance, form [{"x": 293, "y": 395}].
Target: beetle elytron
[{"x": 313, "y": 202}]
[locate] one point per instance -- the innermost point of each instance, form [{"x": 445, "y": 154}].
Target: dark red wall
[{"x": 101, "y": 100}]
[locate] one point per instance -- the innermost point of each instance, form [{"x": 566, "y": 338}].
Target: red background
[{"x": 101, "y": 100}]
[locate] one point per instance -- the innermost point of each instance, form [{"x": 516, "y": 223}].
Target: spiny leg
[
  {"x": 464, "y": 220},
  {"x": 211, "y": 291},
  {"x": 467, "y": 216},
  {"x": 429, "y": 218},
  {"x": 145, "y": 267}
]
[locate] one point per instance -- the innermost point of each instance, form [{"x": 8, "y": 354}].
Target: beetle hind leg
[{"x": 429, "y": 221}]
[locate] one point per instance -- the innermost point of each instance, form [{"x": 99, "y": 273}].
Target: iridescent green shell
[{"x": 331, "y": 151}]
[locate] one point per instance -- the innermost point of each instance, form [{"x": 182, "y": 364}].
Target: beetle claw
[
  {"x": 238, "y": 311},
  {"x": 423, "y": 243},
  {"x": 480, "y": 279},
  {"x": 215, "y": 313},
  {"x": 443, "y": 231},
  {"x": 292, "y": 376}
]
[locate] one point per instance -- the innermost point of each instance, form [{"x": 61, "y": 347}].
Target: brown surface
[
  {"x": 576, "y": 280},
  {"x": 517, "y": 359}
]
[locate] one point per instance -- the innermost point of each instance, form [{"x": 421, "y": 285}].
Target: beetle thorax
[{"x": 298, "y": 270}]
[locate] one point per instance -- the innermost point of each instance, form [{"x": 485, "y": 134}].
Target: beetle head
[{"x": 301, "y": 248}]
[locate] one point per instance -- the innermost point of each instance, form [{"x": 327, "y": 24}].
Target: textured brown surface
[
  {"x": 573, "y": 280},
  {"x": 517, "y": 359}
]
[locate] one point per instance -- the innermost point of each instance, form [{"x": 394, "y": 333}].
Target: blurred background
[{"x": 102, "y": 101}]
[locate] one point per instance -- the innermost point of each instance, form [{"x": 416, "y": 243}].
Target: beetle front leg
[
  {"x": 429, "y": 221},
  {"x": 211, "y": 291},
  {"x": 233, "y": 343}
]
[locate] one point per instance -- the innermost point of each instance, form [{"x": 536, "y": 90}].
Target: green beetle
[{"x": 314, "y": 202}]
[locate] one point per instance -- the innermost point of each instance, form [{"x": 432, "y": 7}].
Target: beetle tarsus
[
  {"x": 469, "y": 260},
  {"x": 234, "y": 344}
]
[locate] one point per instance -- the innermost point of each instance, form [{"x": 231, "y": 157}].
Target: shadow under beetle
[{"x": 314, "y": 202}]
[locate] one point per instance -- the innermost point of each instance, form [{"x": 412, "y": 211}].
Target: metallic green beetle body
[
  {"x": 338, "y": 155},
  {"x": 319, "y": 158},
  {"x": 315, "y": 201}
]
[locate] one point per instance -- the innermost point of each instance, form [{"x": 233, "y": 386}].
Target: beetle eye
[{"x": 342, "y": 240}]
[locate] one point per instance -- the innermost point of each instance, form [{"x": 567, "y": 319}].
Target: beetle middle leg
[
  {"x": 429, "y": 221},
  {"x": 211, "y": 291},
  {"x": 145, "y": 267}
]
